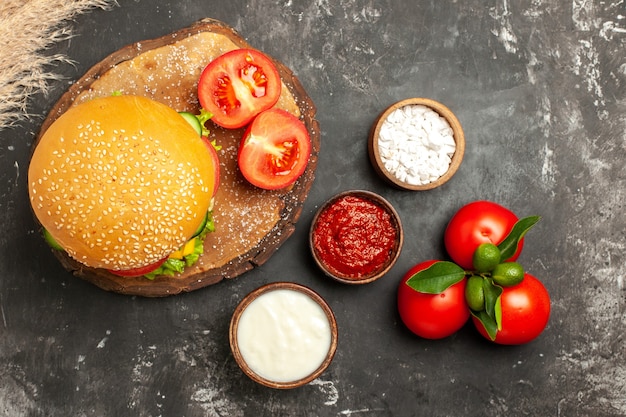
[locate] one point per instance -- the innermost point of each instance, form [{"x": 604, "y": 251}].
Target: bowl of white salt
[{"x": 416, "y": 144}]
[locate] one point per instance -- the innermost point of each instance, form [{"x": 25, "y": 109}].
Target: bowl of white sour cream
[
  {"x": 416, "y": 144},
  {"x": 283, "y": 335}
]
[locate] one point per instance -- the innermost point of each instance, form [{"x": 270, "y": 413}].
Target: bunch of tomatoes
[{"x": 507, "y": 305}]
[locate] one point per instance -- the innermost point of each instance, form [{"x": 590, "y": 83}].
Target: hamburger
[
  {"x": 125, "y": 184},
  {"x": 245, "y": 225}
]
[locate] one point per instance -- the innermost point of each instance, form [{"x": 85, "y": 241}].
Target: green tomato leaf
[
  {"x": 509, "y": 245},
  {"x": 488, "y": 323},
  {"x": 491, "y": 316},
  {"x": 493, "y": 304},
  {"x": 436, "y": 278}
]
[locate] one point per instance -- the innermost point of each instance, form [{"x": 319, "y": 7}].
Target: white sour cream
[{"x": 283, "y": 335}]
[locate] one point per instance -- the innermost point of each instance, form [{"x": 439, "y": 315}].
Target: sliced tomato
[
  {"x": 216, "y": 164},
  {"x": 238, "y": 85},
  {"x": 274, "y": 150},
  {"x": 137, "y": 272}
]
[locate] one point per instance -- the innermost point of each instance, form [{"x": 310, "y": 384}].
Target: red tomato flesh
[
  {"x": 525, "y": 312},
  {"x": 432, "y": 316},
  {"x": 137, "y": 272},
  {"x": 475, "y": 223},
  {"x": 238, "y": 85},
  {"x": 274, "y": 150}
]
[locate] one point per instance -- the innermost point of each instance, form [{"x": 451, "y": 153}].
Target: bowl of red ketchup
[{"x": 356, "y": 237}]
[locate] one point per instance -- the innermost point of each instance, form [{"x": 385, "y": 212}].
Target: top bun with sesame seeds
[{"x": 121, "y": 182}]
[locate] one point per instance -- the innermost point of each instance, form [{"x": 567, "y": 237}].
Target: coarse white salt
[{"x": 416, "y": 144}]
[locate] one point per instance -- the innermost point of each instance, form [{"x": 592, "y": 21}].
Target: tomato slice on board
[
  {"x": 137, "y": 272},
  {"x": 238, "y": 85},
  {"x": 274, "y": 150}
]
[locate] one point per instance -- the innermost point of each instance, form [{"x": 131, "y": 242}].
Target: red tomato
[
  {"x": 525, "y": 312},
  {"x": 216, "y": 164},
  {"x": 274, "y": 150},
  {"x": 432, "y": 316},
  {"x": 237, "y": 86},
  {"x": 476, "y": 223},
  {"x": 137, "y": 272}
]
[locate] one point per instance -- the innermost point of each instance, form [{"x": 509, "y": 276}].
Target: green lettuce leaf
[{"x": 173, "y": 266}]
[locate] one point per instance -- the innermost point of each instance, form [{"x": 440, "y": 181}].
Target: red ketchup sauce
[{"x": 354, "y": 237}]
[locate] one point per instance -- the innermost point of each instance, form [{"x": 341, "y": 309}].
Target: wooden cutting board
[{"x": 251, "y": 223}]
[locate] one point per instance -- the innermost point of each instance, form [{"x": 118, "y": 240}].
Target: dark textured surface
[{"x": 540, "y": 89}]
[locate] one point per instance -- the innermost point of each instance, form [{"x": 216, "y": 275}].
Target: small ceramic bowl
[
  {"x": 393, "y": 178},
  {"x": 267, "y": 335},
  {"x": 341, "y": 262}
]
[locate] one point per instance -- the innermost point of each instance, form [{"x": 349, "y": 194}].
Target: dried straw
[{"x": 27, "y": 29}]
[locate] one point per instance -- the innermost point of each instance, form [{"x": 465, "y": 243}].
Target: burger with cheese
[{"x": 124, "y": 184}]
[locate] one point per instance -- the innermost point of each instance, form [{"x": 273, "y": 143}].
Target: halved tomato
[
  {"x": 238, "y": 85},
  {"x": 274, "y": 150},
  {"x": 137, "y": 272}
]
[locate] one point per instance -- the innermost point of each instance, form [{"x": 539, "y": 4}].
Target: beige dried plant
[{"x": 28, "y": 28}]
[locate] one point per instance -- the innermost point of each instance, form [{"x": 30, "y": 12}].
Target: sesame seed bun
[{"x": 120, "y": 182}]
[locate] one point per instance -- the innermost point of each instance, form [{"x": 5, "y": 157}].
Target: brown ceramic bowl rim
[
  {"x": 245, "y": 302},
  {"x": 446, "y": 113},
  {"x": 395, "y": 218}
]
